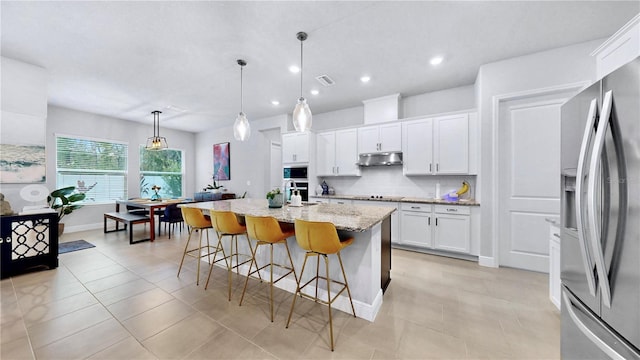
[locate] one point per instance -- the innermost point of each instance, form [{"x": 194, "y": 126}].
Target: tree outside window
[{"x": 161, "y": 168}]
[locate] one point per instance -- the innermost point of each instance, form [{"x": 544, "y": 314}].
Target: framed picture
[{"x": 222, "y": 161}]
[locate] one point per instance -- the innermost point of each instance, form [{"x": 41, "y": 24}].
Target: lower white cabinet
[
  {"x": 441, "y": 227},
  {"x": 318, "y": 200},
  {"x": 341, "y": 201},
  {"x": 452, "y": 228}
]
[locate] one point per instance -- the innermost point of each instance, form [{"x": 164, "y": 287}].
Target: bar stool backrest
[
  {"x": 319, "y": 237},
  {"x": 264, "y": 228},
  {"x": 226, "y": 222},
  {"x": 195, "y": 218}
]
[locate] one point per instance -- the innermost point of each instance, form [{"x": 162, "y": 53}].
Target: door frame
[{"x": 498, "y": 102}]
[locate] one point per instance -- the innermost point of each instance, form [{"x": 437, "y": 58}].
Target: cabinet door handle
[
  {"x": 415, "y": 207},
  {"x": 430, "y": 167},
  {"x": 436, "y": 221},
  {"x": 429, "y": 221},
  {"x": 337, "y": 169},
  {"x": 452, "y": 210},
  {"x": 438, "y": 167}
]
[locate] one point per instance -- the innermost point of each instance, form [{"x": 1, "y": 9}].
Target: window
[
  {"x": 161, "y": 168},
  {"x": 97, "y": 168}
]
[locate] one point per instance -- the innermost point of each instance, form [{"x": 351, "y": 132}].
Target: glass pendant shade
[
  {"x": 302, "y": 116},
  {"x": 156, "y": 142},
  {"x": 241, "y": 127}
]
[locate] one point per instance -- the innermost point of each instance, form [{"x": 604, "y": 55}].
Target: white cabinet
[
  {"x": 386, "y": 137},
  {"x": 395, "y": 216},
  {"x": 440, "y": 145},
  {"x": 440, "y": 227},
  {"x": 341, "y": 201},
  {"x": 619, "y": 49},
  {"x": 452, "y": 228},
  {"x": 337, "y": 153},
  {"x": 554, "y": 265},
  {"x": 417, "y": 147},
  {"x": 295, "y": 147},
  {"x": 415, "y": 222},
  {"x": 319, "y": 200}
]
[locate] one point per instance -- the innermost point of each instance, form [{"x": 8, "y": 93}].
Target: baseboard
[{"x": 487, "y": 261}]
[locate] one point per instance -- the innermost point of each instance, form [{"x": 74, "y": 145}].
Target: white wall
[
  {"x": 71, "y": 122},
  {"x": 567, "y": 65},
  {"x": 249, "y": 159}
]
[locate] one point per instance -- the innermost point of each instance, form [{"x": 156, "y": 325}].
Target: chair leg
[
  {"x": 246, "y": 281},
  {"x": 346, "y": 283},
  {"x": 326, "y": 261},
  {"x": 185, "y": 251},
  {"x": 199, "y": 255},
  {"x": 295, "y": 295},
  {"x": 271, "y": 282},
  {"x": 219, "y": 248}
]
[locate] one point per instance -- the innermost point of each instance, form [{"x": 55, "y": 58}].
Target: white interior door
[
  {"x": 529, "y": 179},
  {"x": 275, "y": 173}
]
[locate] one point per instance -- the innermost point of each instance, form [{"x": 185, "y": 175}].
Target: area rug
[{"x": 76, "y": 245}]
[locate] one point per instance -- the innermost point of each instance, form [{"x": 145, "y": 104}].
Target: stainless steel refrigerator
[{"x": 600, "y": 219}]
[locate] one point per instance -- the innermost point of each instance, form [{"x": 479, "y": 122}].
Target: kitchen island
[{"x": 367, "y": 261}]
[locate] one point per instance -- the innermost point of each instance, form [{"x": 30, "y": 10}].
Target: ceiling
[{"x": 125, "y": 59}]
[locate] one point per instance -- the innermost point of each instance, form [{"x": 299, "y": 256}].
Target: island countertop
[{"x": 345, "y": 217}]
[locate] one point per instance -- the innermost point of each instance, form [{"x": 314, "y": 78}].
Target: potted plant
[
  {"x": 64, "y": 202},
  {"x": 215, "y": 188},
  {"x": 275, "y": 198}
]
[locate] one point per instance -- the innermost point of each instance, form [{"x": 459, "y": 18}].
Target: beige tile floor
[{"x": 121, "y": 301}]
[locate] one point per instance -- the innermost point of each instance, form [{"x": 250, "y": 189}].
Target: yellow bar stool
[
  {"x": 267, "y": 231},
  {"x": 196, "y": 221},
  {"x": 321, "y": 239},
  {"x": 226, "y": 224}
]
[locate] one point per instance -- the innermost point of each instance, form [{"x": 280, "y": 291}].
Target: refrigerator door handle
[
  {"x": 579, "y": 315},
  {"x": 580, "y": 174},
  {"x": 596, "y": 246}
]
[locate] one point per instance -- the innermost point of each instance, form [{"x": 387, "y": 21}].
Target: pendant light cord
[
  {"x": 301, "y": 66},
  {"x": 241, "y": 87}
]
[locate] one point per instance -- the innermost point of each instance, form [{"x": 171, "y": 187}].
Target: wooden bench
[{"x": 128, "y": 219}]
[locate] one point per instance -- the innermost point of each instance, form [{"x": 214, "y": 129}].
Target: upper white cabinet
[
  {"x": 337, "y": 153},
  {"x": 386, "y": 137},
  {"x": 619, "y": 49},
  {"x": 295, "y": 147},
  {"x": 440, "y": 145}
]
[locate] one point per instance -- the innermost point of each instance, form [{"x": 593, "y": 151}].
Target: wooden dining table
[{"x": 152, "y": 206}]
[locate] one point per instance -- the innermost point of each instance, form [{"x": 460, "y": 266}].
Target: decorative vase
[
  {"x": 276, "y": 201},
  {"x": 60, "y": 229},
  {"x": 319, "y": 190}
]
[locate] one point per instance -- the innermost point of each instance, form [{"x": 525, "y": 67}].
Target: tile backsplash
[{"x": 389, "y": 181}]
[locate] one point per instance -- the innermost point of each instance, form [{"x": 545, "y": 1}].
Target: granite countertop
[
  {"x": 464, "y": 202},
  {"x": 344, "y": 217}
]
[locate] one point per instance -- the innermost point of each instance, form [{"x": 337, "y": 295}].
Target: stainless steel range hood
[{"x": 380, "y": 159}]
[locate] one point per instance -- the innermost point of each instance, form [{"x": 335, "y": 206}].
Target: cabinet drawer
[
  {"x": 415, "y": 207},
  {"x": 456, "y": 210}
]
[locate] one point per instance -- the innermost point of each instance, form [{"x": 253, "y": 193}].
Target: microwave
[{"x": 294, "y": 172}]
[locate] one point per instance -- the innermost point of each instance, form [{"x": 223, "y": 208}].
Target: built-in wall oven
[{"x": 296, "y": 178}]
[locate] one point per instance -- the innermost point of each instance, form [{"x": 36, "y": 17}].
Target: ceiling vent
[{"x": 325, "y": 80}]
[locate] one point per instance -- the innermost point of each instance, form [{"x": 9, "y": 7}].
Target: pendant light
[
  {"x": 301, "y": 113},
  {"x": 241, "y": 127},
  {"x": 156, "y": 142}
]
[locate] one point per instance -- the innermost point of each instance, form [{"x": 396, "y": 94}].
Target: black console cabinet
[{"x": 28, "y": 242}]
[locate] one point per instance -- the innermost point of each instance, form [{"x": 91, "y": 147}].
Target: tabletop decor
[
  {"x": 155, "y": 189},
  {"x": 222, "y": 161},
  {"x": 275, "y": 198}
]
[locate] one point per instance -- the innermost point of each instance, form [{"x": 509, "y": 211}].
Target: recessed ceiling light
[
  {"x": 275, "y": 102},
  {"x": 437, "y": 60},
  {"x": 365, "y": 79},
  {"x": 315, "y": 92},
  {"x": 294, "y": 69}
]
